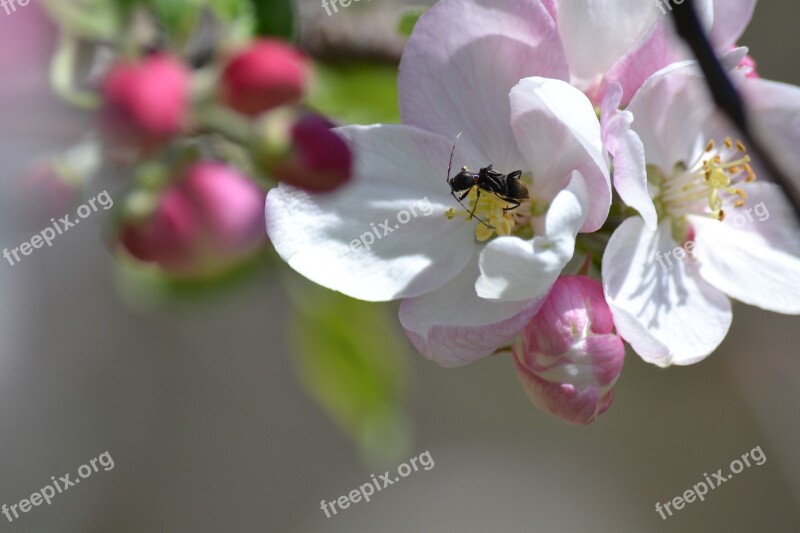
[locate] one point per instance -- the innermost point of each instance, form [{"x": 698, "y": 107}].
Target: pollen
[
  {"x": 488, "y": 210},
  {"x": 706, "y": 186}
]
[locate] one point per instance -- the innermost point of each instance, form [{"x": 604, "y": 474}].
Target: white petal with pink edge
[
  {"x": 625, "y": 146},
  {"x": 454, "y": 327},
  {"x": 461, "y": 83},
  {"x": 597, "y": 33}
]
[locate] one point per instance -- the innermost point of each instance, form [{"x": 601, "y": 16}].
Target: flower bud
[
  {"x": 209, "y": 221},
  {"x": 268, "y": 74},
  {"x": 146, "y": 102},
  {"x": 303, "y": 152},
  {"x": 748, "y": 64},
  {"x": 568, "y": 357}
]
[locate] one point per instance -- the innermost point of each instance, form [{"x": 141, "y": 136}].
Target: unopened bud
[
  {"x": 303, "y": 151},
  {"x": 146, "y": 101},
  {"x": 569, "y": 357},
  {"x": 268, "y": 74}
]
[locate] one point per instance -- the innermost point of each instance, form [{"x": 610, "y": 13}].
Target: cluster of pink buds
[{"x": 210, "y": 217}]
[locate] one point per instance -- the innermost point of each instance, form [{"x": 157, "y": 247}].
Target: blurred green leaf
[
  {"x": 63, "y": 72},
  {"x": 362, "y": 93},
  {"x": 178, "y": 18},
  {"x": 274, "y": 17},
  {"x": 89, "y": 19},
  {"x": 408, "y": 19},
  {"x": 351, "y": 359},
  {"x": 228, "y": 10}
]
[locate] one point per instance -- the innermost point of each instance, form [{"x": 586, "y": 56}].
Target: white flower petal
[
  {"x": 597, "y": 33},
  {"x": 460, "y": 82},
  {"x": 731, "y": 17},
  {"x": 557, "y": 131},
  {"x": 774, "y": 110},
  {"x": 754, "y": 255},
  {"x": 513, "y": 269},
  {"x": 453, "y": 326},
  {"x": 624, "y": 145},
  {"x": 397, "y": 169},
  {"x": 669, "y": 113},
  {"x": 668, "y": 314}
]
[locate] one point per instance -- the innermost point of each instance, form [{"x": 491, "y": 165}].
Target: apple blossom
[
  {"x": 467, "y": 289},
  {"x": 702, "y": 184},
  {"x": 568, "y": 357}
]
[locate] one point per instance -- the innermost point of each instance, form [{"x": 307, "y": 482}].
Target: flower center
[
  {"x": 702, "y": 187},
  {"x": 495, "y": 216}
]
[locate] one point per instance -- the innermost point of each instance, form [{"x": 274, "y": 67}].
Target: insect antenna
[{"x": 450, "y": 164}]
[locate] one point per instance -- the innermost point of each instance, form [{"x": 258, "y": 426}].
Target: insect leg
[
  {"x": 516, "y": 203},
  {"x": 472, "y": 214}
]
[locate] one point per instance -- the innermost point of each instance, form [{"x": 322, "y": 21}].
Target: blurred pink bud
[
  {"x": 750, "y": 65},
  {"x": 303, "y": 152},
  {"x": 569, "y": 356},
  {"x": 268, "y": 74},
  {"x": 146, "y": 101},
  {"x": 43, "y": 192},
  {"x": 209, "y": 221}
]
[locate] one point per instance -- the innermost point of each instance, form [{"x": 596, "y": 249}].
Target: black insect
[{"x": 507, "y": 187}]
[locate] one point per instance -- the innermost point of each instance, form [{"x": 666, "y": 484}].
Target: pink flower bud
[
  {"x": 569, "y": 357},
  {"x": 749, "y": 64},
  {"x": 268, "y": 74},
  {"x": 304, "y": 152},
  {"x": 208, "y": 222},
  {"x": 146, "y": 102}
]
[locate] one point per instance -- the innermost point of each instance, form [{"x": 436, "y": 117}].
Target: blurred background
[{"x": 213, "y": 424}]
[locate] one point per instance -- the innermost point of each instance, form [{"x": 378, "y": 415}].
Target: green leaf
[
  {"x": 89, "y": 19},
  {"x": 178, "y": 18},
  {"x": 274, "y": 17},
  {"x": 361, "y": 93},
  {"x": 63, "y": 73},
  {"x": 408, "y": 19},
  {"x": 351, "y": 359}
]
